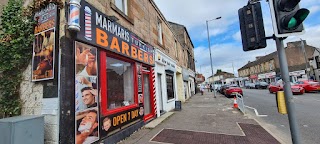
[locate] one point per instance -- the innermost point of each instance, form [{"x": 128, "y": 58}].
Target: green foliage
[{"x": 15, "y": 53}]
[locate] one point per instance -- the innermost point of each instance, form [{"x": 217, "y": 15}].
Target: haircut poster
[
  {"x": 86, "y": 94},
  {"x": 44, "y": 44}
]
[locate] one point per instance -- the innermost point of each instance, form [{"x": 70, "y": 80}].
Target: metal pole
[
  {"x": 305, "y": 58},
  {"x": 214, "y": 91},
  {"x": 295, "y": 134}
]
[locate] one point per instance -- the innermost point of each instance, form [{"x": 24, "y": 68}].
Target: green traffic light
[
  {"x": 292, "y": 23},
  {"x": 294, "y": 20}
]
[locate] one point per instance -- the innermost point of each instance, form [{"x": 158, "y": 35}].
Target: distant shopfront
[
  {"x": 267, "y": 77},
  {"x": 165, "y": 69}
]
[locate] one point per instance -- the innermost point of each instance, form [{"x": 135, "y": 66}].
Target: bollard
[{"x": 281, "y": 102}]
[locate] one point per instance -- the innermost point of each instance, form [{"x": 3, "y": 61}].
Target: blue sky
[{"x": 226, "y": 46}]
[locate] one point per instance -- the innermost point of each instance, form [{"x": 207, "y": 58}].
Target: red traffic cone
[{"x": 235, "y": 104}]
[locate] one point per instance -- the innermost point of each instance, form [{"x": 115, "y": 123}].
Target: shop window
[
  {"x": 170, "y": 90},
  {"x": 122, "y": 5},
  {"x": 120, "y": 83}
]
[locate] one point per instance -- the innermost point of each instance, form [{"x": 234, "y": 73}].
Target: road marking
[
  {"x": 255, "y": 110},
  {"x": 305, "y": 126}
]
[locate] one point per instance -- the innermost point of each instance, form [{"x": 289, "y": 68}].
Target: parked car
[
  {"x": 309, "y": 85},
  {"x": 278, "y": 86},
  {"x": 223, "y": 88},
  {"x": 261, "y": 85},
  {"x": 232, "y": 90},
  {"x": 250, "y": 85}
]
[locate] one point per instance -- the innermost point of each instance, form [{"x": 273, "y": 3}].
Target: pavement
[{"x": 203, "y": 120}]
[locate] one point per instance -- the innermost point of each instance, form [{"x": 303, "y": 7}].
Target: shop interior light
[{"x": 117, "y": 65}]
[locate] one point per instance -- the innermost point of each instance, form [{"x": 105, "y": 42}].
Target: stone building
[
  {"x": 123, "y": 67},
  {"x": 267, "y": 68},
  {"x": 187, "y": 55}
]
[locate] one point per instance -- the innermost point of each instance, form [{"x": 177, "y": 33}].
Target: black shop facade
[{"x": 113, "y": 80}]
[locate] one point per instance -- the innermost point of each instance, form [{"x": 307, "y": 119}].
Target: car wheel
[{"x": 270, "y": 91}]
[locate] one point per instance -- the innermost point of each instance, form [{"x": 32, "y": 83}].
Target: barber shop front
[{"x": 114, "y": 79}]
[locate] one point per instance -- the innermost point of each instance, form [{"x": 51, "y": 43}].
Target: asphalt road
[{"x": 307, "y": 113}]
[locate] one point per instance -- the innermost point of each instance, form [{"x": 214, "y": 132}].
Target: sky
[{"x": 225, "y": 36}]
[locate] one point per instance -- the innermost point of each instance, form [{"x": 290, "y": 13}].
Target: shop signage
[
  {"x": 185, "y": 74},
  {"x": 44, "y": 44},
  {"x": 270, "y": 75},
  {"x": 253, "y": 77},
  {"x": 97, "y": 29},
  {"x": 297, "y": 73},
  {"x": 261, "y": 76},
  {"x": 112, "y": 123}
]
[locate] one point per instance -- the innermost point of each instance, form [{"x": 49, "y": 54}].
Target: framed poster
[{"x": 43, "y": 56}]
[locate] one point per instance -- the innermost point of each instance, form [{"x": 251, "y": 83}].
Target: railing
[{"x": 240, "y": 102}]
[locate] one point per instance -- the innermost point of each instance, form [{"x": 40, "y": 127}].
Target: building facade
[
  {"x": 122, "y": 66},
  {"x": 188, "y": 63},
  {"x": 267, "y": 68},
  {"x": 315, "y": 64}
]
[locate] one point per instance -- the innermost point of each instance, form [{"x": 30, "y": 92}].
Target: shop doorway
[
  {"x": 160, "y": 94},
  {"x": 185, "y": 86},
  {"x": 148, "y": 97}
]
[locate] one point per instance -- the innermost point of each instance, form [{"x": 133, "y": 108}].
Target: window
[
  {"x": 271, "y": 66},
  {"x": 170, "y": 90},
  {"x": 159, "y": 32},
  {"x": 120, "y": 86},
  {"x": 317, "y": 61},
  {"x": 175, "y": 47},
  {"x": 122, "y": 5}
]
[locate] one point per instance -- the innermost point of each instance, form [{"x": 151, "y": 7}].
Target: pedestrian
[
  {"x": 201, "y": 89},
  {"x": 208, "y": 87},
  {"x": 211, "y": 87}
]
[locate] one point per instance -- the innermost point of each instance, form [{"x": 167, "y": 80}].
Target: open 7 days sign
[{"x": 98, "y": 30}]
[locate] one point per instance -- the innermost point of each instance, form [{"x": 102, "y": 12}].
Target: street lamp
[{"x": 214, "y": 90}]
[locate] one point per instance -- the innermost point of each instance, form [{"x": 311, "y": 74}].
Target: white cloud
[{"x": 237, "y": 36}]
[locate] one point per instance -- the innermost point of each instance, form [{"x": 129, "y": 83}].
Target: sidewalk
[{"x": 205, "y": 120}]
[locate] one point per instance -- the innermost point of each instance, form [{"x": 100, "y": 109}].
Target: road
[{"x": 307, "y": 113}]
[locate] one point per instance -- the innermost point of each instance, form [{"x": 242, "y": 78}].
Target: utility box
[{"x": 22, "y": 130}]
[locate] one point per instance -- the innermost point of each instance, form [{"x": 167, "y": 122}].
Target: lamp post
[{"x": 214, "y": 90}]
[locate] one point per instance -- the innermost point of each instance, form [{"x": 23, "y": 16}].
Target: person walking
[{"x": 201, "y": 89}]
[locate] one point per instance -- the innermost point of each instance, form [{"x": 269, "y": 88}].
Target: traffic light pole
[{"x": 294, "y": 128}]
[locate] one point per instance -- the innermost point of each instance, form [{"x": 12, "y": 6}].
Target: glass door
[{"x": 146, "y": 93}]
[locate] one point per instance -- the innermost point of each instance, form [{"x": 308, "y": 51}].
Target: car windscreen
[{"x": 264, "y": 83}]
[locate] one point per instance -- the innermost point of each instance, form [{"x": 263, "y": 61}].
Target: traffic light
[
  {"x": 251, "y": 27},
  {"x": 287, "y": 17}
]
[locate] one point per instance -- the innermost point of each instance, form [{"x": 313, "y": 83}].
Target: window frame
[
  {"x": 124, "y": 5},
  {"x": 103, "y": 83},
  {"x": 159, "y": 28}
]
